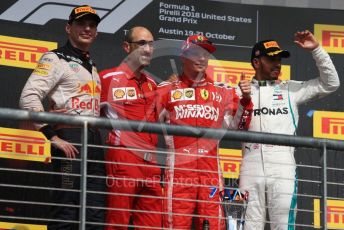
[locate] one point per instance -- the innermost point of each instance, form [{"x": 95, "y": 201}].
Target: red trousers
[
  {"x": 196, "y": 187},
  {"x": 134, "y": 191}
]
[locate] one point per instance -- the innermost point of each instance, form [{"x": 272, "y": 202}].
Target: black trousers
[{"x": 61, "y": 213}]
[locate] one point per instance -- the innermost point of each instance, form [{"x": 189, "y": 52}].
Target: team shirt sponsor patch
[
  {"x": 204, "y": 94},
  {"x": 270, "y": 111},
  {"x": 44, "y": 66},
  {"x": 124, "y": 93},
  {"x": 216, "y": 96},
  {"x": 150, "y": 86},
  {"x": 75, "y": 67},
  {"x": 186, "y": 94},
  {"x": 46, "y": 59},
  {"x": 91, "y": 88},
  {"x": 277, "y": 96},
  {"x": 41, "y": 72},
  {"x": 197, "y": 111},
  {"x": 131, "y": 93}
]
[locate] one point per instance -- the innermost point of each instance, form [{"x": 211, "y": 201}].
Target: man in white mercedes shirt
[{"x": 268, "y": 172}]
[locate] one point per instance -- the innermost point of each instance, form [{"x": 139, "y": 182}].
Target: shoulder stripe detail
[
  {"x": 151, "y": 80},
  {"x": 113, "y": 74},
  {"x": 164, "y": 83}
]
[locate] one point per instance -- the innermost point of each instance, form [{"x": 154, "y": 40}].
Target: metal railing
[{"x": 220, "y": 134}]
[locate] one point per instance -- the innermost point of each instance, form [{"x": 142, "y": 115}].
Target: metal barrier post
[
  {"x": 324, "y": 198},
  {"x": 83, "y": 178}
]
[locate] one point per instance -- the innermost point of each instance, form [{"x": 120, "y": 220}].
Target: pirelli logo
[
  {"x": 331, "y": 37},
  {"x": 24, "y": 145},
  {"x": 335, "y": 214},
  {"x": 230, "y": 160},
  {"x": 84, "y": 9},
  {"x": 23, "y": 53},
  {"x": 229, "y": 72},
  {"x": 12, "y": 226},
  {"x": 328, "y": 125},
  {"x": 270, "y": 44}
]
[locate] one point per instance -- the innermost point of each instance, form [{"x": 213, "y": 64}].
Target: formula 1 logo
[{"x": 114, "y": 13}]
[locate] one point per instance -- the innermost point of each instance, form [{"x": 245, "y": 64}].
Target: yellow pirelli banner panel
[
  {"x": 22, "y": 52},
  {"x": 24, "y": 145},
  {"x": 229, "y": 72},
  {"x": 331, "y": 37},
  {"x": 335, "y": 214},
  {"x": 16, "y": 226},
  {"x": 328, "y": 125},
  {"x": 230, "y": 160}
]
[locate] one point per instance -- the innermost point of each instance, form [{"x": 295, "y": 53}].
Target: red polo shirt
[{"x": 124, "y": 96}]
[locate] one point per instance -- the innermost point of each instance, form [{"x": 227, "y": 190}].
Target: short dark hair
[{"x": 128, "y": 37}]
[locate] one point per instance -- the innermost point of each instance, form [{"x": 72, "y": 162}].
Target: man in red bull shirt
[
  {"x": 69, "y": 78},
  {"x": 194, "y": 178},
  {"x": 133, "y": 174}
]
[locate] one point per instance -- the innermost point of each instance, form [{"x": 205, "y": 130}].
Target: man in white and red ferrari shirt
[
  {"x": 129, "y": 93},
  {"x": 194, "y": 180}
]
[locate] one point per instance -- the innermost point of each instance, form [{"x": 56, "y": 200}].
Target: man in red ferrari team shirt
[
  {"x": 129, "y": 93},
  {"x": 194, "y": 178}
]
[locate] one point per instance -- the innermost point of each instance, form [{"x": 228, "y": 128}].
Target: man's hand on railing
[{"x": 69, "y": 150}]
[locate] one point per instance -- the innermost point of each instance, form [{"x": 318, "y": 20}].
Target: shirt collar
[
  {"x": 83, "y": 55},
  {"x": 264, "y": 82},
  {"x": 130, "y": 73},
  {"x": 194, "y": 83}
]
